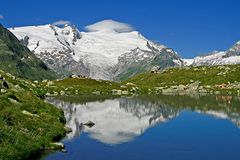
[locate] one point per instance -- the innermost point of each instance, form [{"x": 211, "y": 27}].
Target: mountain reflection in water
[{"x": 120, "y": 120}]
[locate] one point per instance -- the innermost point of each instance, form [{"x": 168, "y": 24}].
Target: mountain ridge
[
  {"x": 94, "y": 53},
  {"x": 228, "y": 57}
]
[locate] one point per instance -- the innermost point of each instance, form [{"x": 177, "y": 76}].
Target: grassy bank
[
  {"x": 27, "y": 123},
  {"x": 213, "y": 80},
  {"x": 186, "y": 80}
]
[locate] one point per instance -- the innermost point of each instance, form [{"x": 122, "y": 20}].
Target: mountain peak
[{"x": 109, "y": 26}]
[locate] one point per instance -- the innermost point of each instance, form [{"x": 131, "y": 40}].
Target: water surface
[{"x": 149, "y": 128}]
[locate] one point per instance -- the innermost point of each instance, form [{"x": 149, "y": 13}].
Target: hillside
[
  {"x": 19, "y": 61},
  {"x": 25, "y": 131},
  {"x": 214, "y": 79}
]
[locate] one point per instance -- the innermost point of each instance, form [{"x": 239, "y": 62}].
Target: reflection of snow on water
[
  {"x": 121, "y": 120},
  {"x": 116, "y": 121}
]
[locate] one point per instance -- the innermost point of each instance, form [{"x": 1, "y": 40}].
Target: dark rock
[
  {"x": 90, "y": 124},
  {"x": 5, "y": 85}
]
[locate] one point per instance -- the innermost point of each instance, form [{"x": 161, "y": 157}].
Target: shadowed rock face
[{"x": 121, "y": 120}]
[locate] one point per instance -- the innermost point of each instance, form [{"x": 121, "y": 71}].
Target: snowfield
[
  {"x": 98, "y": 48},
  {"x": 104, "y": 49}
]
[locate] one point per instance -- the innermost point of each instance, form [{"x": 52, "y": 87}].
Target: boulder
[
  {"x": 125, "y": 92},
  {"x": 89, "y": 124},
  {"x": 131, "y": 84},
  {"x": 62, "y": 93},
  {"x": 96, "y": 92},
  {"x": 50, "y": 83},
  {"x": 3, "y": 91},
  {"x": 5, "y": 85},
  {"x": 155, "y": 69},
  {"x": 68, "y": 129},
  {"x": 116, "y": 92},
  {"x": 122, "y": 86},
  {"x": 57, "y": 146},
  {"x": 29, "y": 114}
]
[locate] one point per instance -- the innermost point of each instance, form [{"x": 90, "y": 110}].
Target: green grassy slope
[
  {"x": 80, "y": 86},
  {"x": 22, "y": 136},
  {"x": 208, "y": 77}
]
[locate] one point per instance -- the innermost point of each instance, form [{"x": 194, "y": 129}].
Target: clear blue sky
[{"x": 191, "y": 27}]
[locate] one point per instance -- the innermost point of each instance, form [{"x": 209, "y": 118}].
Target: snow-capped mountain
[
  {"x": 100, "y": 52},
  {"x": 231, "y": 56}
]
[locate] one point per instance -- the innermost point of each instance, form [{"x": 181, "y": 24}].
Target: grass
[
  {"x": 81, "y": 86},
  {"x": 23, "y": 136},
  {"x": 207, "y": 76}
]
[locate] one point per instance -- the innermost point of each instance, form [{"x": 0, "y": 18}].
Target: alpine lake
[{"x": 168, "y": 127}]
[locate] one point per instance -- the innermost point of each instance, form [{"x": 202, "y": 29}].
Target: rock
[
  {"x": 64, "y": 150},
  {"x": 76, "y": 91},
  {"x": 122, "y": 86},
  {"x": 208, "y": 87},
  {"x": 68, "y": 129},
  {"x": 25, "y": 130},
  {"x": 3, "y": 91},
  {"x": 44, "y": 81},
  {"x": 5, "y": 85},
  {"x": 48, "y": 94},
  {"x": 50, "y": 83},
  {"x": 57, "y": 146},
  {"x": 73, "y": 76},
  {"x": 29, "y": 114},
  {"x": 194, "y": 86},
  {"x": 125, "y": 92},
  {"x": 217, "y": 92},
  {"x": 202, "y": 91},
  {"x": 96, "y": 92},
  {"x": 62, "y": 93},
  {"x": 168, "y": 91},
  {"x": 131, "y": 84},
  {"x": 158, "y": 88},
  {"x": 90, "y": 124},
  {"x": 155, "y": 69},
  {"x": 13, "y": 101},
  {"x": 36, "y": 82},
  {"x": 116, "y": 92},
  {"x": 134, "y": 89},
  {"x": 181, "y": 87}
]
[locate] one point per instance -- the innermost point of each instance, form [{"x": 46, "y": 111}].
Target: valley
[{"x": 43, "y": 66}]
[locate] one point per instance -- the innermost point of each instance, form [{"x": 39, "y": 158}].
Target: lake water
[{"x": 151, "y": 128}]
